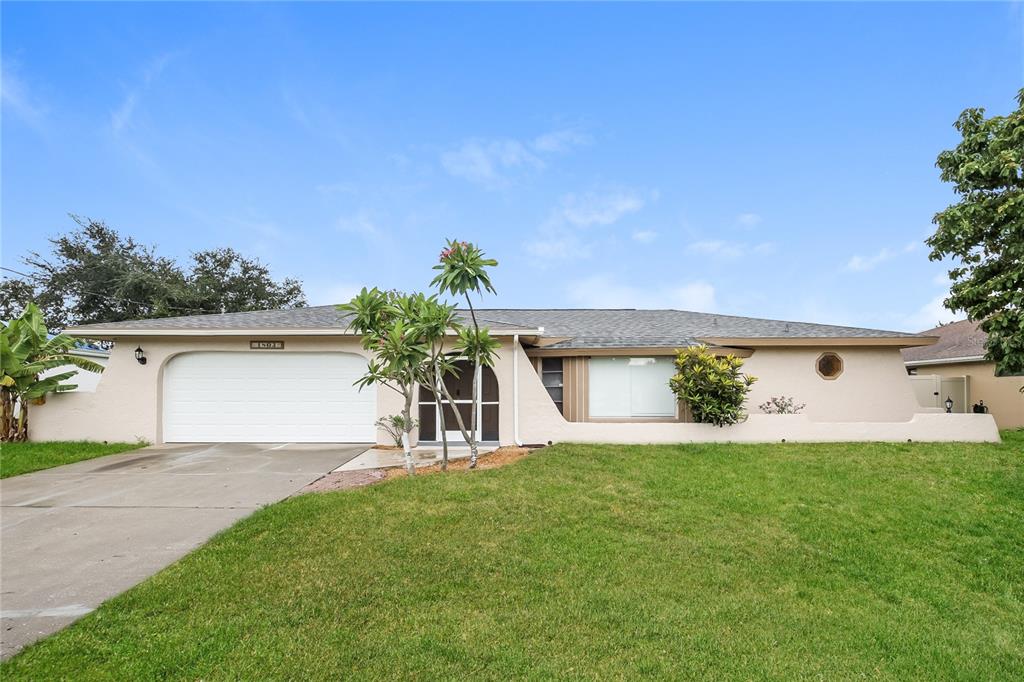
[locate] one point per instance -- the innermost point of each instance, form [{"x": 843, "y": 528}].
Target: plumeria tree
[
  {"x": 385, "y": 319},
  {"x": 434, "y": 321},
  {"x": 463, "y": 272},
  {"x": 27, "y": 352}
]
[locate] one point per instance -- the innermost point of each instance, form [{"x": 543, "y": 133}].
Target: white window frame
[{"x": 597, "y": 404}]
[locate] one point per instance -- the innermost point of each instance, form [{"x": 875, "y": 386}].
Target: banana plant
[{"x": 26, "y": 352}]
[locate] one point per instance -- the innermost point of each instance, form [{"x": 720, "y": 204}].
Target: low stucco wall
[
  {"x": 127, "y": 402},
  {"x": 1002, "y": 395},
  {"x": 540, "y": 421}
]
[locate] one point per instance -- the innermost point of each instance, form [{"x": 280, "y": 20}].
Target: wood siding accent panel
[{"x": 575, "y": 388}]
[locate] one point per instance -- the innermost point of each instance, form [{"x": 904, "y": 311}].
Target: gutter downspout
[{"x": 515, "y": 391}]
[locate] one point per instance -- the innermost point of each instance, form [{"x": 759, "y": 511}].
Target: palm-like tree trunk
[
  {"x": 475, "y": 411},
  {"x": 406, "y": 447}
]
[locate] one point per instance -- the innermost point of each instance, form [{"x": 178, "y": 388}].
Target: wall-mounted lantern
[
  {"x": 949, "y": 405},
  {"x": 140, "y": 356}
]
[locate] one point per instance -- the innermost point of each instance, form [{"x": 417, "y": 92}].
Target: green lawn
[
  {"x": 901, "y": 561},
  {"x": 21, "y": 458}
]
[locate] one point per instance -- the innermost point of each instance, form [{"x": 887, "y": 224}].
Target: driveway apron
[{"x": 74, "y": 536}]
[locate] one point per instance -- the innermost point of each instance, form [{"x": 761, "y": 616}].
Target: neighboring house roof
[
  {"x": 564, "y": 328},
  {"x": 958, "y": 342}
]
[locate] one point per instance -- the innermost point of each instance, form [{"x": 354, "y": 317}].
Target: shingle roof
[
  {"x": 960, "y": 339},
  {"x": 597, "y": 328},
  {"x": 584, "y": 328},
  {"x": 314, "y": 317}
]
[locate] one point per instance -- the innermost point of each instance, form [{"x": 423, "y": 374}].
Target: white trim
[
  {"x": 264, "y": 332},
  {"x": 945, "y": 361},
  {"x": 515, "y": 391},
  {"x": 89, "y": 353}
]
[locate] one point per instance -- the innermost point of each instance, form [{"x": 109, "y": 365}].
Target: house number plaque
[{"x": 266, "y": 345}]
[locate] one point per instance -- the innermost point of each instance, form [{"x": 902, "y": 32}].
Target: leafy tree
[
  {"x": 94, "y": 274},
  {"x": 712, "y": 387},
  {"x": 434, "y": 320},
  {"x": 383, "y": 318},
  {"x": 463, "y": 271},
  {"x": 26, "y": 352},
  {"x": 15, "y": 294},
  {"x": 223, "y": 280},
  {"x": 984, "y": 230}
]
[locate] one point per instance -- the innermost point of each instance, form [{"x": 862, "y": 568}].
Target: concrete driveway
[{"x": 73, "y": 536}]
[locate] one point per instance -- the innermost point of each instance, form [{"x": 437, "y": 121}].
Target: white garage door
[{"x": 267, "y": 397}]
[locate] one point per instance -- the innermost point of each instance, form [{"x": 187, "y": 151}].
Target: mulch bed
[{"x": 491, "y": 460}]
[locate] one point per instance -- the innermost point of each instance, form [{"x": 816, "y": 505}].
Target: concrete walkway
[{"x": 74, "y": 536}]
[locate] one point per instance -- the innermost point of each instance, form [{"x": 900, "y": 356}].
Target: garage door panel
[{"x": 267, "y": 397}]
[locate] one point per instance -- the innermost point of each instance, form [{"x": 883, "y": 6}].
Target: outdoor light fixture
[
  {"x": 141, "y": 357},
  {"x": 949, "y": 405}
]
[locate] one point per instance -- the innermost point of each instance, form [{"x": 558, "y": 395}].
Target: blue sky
[{"x": 771, "y": 160}]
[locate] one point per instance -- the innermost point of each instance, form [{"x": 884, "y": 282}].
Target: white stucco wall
[
  {"x": 872, "y": 400},
  {"x": 873, "y": 386},
  {"x": 86, "y": 382},
  {"x": 875, "y": 403},
  {"x": 126, "y": 405}
]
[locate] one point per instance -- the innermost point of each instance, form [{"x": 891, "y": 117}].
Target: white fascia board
[
  {"x": 945, "y": 361},
  {"x": 125, "y": 332}
]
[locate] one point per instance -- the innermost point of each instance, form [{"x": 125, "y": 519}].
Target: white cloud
[
  {"x": 602, "y": 208},
  {"x": 929, "y": 315},
  {"x": 748, "y": 219},
  {"x": 726, "y": 249},
  {"x": 561, "y": 236},
  {"x": 601, "y": 291},
  {"x": 865, "y": 263},
  {"x": 560, "y": 140},
  {"x": 486, "y": 161},
  {"x": 492, "y": 161},
  {"x": 645, "y": 236},
  {"x": 18, "y": 99},
  {"x": 121, "y": 117},
  {"x": 362, "y": 225},
  {"x": 558, "y": 245}
]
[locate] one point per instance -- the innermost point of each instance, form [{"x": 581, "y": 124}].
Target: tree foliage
[
  {"x": 386, "y": 322},
  {"x": 713, "y": 387},
  {"x": 26, "y": 353},
  {"x": 94, "y": 274},
  {"x": 984, "y": 230},
  {"x": 463, "y": 270}
]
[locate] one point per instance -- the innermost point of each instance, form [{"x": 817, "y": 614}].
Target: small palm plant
[{"x": 26, "y": 352}]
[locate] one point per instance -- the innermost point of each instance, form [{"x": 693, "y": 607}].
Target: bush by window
[{"x": 712, "y": 387}]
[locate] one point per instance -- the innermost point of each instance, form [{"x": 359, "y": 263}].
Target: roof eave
[
  {"x": 778, "y": 341},
  {"x": 945, "y": 361},
  {"x": 116, "y": 332}
]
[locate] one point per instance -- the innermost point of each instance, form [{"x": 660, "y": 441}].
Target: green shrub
[{"x": 712, "y": 386}]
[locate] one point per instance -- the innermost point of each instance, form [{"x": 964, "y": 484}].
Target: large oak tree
[{"x": 95, "y": 274}]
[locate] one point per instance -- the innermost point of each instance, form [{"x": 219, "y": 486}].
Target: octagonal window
[{"x": 829, "y": 365}]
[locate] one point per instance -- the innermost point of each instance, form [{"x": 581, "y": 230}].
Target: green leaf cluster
[
  {"x": 26, "y": 352},
  {"x": 984, "y": 230},
  {"x": 712, "y": 386}
]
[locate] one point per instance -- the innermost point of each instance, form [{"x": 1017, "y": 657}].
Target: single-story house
[
  {"x": 561, "y": 375},
  {"x": 955, "y": 368}
]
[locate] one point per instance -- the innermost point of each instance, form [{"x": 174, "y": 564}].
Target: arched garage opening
[{"x": 267, "y": 397}]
